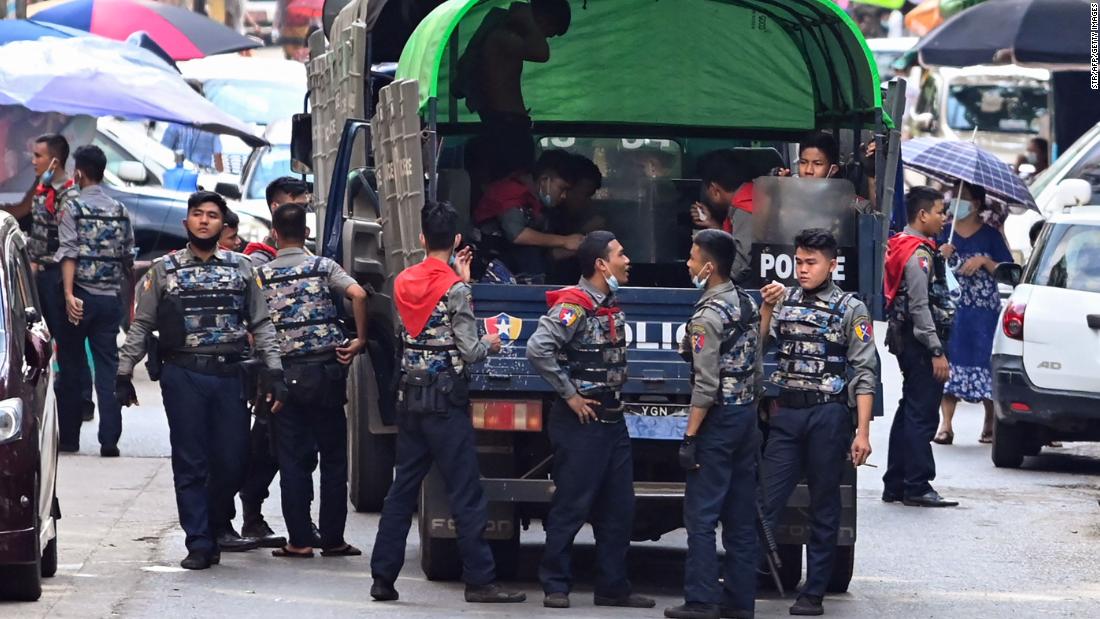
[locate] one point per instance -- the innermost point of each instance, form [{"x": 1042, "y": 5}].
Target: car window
[
  {"x": 1006, "y": 108},
  {"x": 1088, "y": 168},
  {"x": 269, "y": 165},
  {"x": 1069, "y": 257},
  {"x": 255, "y": 101},
  {"x": 116, "y": 156}
]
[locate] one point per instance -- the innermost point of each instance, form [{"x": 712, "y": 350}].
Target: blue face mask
[
  {"x": 613, "y": 283},
  {"x": 963, "y": 208},
  {"x": 47, "y": 177},
  {"x": 699, "y": 281}
]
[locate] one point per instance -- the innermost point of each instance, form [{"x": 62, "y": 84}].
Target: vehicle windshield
[
  {"x": 1069, "y": 257},
  {"x": 254, "y": 101},
  {"x": 1087, "y": 167},
  {"x": 270, "y": 164},
  {"x": 1005, "y": 108}
]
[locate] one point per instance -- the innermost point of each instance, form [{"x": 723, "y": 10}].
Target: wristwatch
[{"x": 937, "y": 352}]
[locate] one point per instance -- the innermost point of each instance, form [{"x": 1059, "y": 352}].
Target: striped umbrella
[
  {"x": 951, "y": 161},
  {"x": 182, "y": 33}
]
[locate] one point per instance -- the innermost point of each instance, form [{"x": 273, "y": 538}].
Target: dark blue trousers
[
  {"x": 301, "y": 431},
  {"x": 809, "y": 442},
  {"x": 52, "y": 298},
  {"x": 99, "y": 328},
  {"x": 446, "y": 439},
  {"x": 723, "y": 490},
  {"x": 593, "y": 481},
  {"x": 910, "y": 465},
  {"x": 208, "y": 430}
]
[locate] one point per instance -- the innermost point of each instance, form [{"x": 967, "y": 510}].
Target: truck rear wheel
[
  {"x": 439, "y": 558},
  {"x": 844, "y": 565},
  {"x": 790, "y": 574},
  {"x": 371, "y": 455},
  {"x": 1008, "y": 445}
]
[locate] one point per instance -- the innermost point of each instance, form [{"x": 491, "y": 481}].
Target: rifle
[{"x": 767, "y": 541}]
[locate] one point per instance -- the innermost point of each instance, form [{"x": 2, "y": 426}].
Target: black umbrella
[{"x": 1050, "y": 33}]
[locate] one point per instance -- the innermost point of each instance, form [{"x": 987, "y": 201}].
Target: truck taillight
[
  {"x": 507, "y": 415},
  {"x": 1013, "y": 322}
]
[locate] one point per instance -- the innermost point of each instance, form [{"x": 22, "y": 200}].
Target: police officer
[
  {"x": 203, "y": 302},
  {"x": 579, "y": 347},
  {"x": 439, "y": 336},
  {"x": 920, "y": 313},
  {"x": 301, "y": 292},
  {"x": 722, "y": 440},
  {"x": 823, "y": 335},
  {"x": 96, "y": 244},
  {"x": 51, "y": 197}
]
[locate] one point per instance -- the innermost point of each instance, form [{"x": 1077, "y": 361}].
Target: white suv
[{"x": 1046, "y": 353}]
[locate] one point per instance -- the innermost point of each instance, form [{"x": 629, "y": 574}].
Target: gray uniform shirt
[
  {"x": 859, "y": 332},
  {"x": 917, "y": 272},
  {"x": 552, "y": 334},
  {"x": 338, "y": 280},
  {"x": 69, "y": 248},
  {"x": 741, "y": 222},
  {"x": 150, "y": 293},
  {"x": 460, "y": 306},
  {"x": 705, "y": 337}
]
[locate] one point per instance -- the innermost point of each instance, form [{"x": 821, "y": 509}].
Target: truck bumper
[
  {"x": 18, "y": 547},
  {"x": 1065, "y": 411}
]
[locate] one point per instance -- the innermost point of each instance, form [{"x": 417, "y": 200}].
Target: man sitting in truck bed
[{"x": 726, "y": 204}]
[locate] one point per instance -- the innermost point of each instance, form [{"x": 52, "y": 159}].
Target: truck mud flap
[{"x": 435, "y": 512}]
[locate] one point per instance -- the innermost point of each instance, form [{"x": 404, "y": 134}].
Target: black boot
[
  {"x": 196, "y": 561},
  {"x": 257, "y": 528},
  {"x": 492, "y": 593},
  {"x": 383, "y": 591},
  {"x": 807, "y": 605},
  {"x": 692, "y": 610},
  {"x": 231, "y": 541}
]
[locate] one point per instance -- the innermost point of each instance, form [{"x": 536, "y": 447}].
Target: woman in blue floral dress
[{"x": 976, "y": 250}]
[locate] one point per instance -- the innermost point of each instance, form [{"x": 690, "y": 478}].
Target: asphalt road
[{"x": 1022, "y": 543}]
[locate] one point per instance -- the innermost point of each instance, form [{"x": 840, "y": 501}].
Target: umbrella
[
  {"x": 951, "y": 161},
  {"x": 30, "y": 30},
  {"x": 1046, "y": 33},
  {"x": 305, "y": 9},
  {"x": 182, "y": 33},
  {"x": 99, "y": 77}
]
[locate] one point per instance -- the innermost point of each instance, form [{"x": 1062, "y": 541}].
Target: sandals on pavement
[
  {"x": 286, "y": 553},
  {"x": 347, "y": 550},
  {"x": 986, "y": 437},
  {"x": 944, "y": 437}
]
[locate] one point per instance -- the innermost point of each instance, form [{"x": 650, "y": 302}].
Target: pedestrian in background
[
  {"x": 202, "y": 148},
  {"x": 96, "y": 242}
]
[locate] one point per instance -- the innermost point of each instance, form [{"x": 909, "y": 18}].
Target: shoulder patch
[
  {"x": 698, "y": 338},
  {"x": 924, "y": 263},
  {"x": 569, "y": 314},
  {"x": 147, "y": 280},
  {"x": 863, "y": 329}
]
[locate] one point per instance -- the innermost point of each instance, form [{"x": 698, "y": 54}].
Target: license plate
[{"x": 656, "y": 410}]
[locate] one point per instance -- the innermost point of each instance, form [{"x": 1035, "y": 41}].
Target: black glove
[
  {"x": 276, "y": 386},
  {"x": 687, "y": 454},
  {"x": 124, "y": 390}
]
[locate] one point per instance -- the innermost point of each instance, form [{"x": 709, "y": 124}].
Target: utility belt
[
  {"x": 316, "y": 380},
  {"x": 224, "y": 365},
  {"x": 809, "y": 399},
  {"x": 422, "y": 392},
  {"x": 609, "y": 408}
]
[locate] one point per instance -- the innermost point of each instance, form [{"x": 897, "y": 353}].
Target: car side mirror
[
  {"x": 1008, "y": 273},
  {"x": 132, "y": 172},
  {"x": 923, "y": 121},
  {"x": 1073, "y": 192},
  {"x": 231, "y": 191},
  {"x": 301, "y": 143}
]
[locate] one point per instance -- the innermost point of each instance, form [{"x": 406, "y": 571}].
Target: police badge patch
[
  {"x": 864, "y": 330},
  {"x": 569, "y": 314},
  {"x": 698, "y": 338},
  {"x": 922, "y": 262}
]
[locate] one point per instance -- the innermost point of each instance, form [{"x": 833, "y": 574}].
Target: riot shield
[
  {"x": 783, "y": 207},
  {"x": 395, "y": 132}
]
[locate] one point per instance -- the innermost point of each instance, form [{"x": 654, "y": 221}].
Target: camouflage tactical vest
[
  {"x": 100, "y": 233},
  {"x": 44, "y": 242},
  {"x": 434, "y": 349},
  {"x": 737, "y": 353},
  {"x": 595, "y": 358},
  {"x": 301, "y": 306},
  {"x": 813, "y": 348},
  {"x": 940, "y": 302},
  {"x": 211, "y": 298}
]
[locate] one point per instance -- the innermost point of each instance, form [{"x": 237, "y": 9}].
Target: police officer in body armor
[
  {"x": 96, "y": 244},
  {"x": 722, "y": 440},
  {"x": 921, "y": 312},
  {"x": 579, "y": 347},
  {"x": 823, "y": 336},
  {"x": 439, "y": 339},
  {"x": 301, "y": 290},
  {"x": 203, "y": 302}
]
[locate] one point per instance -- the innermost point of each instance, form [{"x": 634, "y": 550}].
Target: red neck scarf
[
  {"x": 504, "y": 195},
  {"x": 577, "y": 296},
  {"x": 418, "y": 289},
  {"x": 51, "y": 194},
  {"x": 899, "y": 249}
]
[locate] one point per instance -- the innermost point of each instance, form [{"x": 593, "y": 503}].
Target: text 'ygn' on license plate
[{"x": 656, "y": 410}]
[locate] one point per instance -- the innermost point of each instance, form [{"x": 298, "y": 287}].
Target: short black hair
[
  {"x": 824, "y": 142},
  {"x": 1041, "y": 143},
  {"x": 1036, "y": 228},
  {"x": 817, "y": 239},
  {"x": 439, "y": 224},
  {"x": 232, "y": 220},
  {"x": 557, "y": 10},
  {"x": 719, "y": 247},
  {"x": 595, "y": 246},
  {"x": 977, "y": 192},
  {"x": 202, "y": 197},
  {"x": 582, "y": 168},
  {"x": 721, "y": 167},
  {"x": 289, "y": 185},
  {"x": 289, "y": 220},
  {"x": 921, "y": 198},
  {"x": 91, "y": 162},
  {"x": 556, "y": 162},
  {"x": 57, "y": 145}
]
